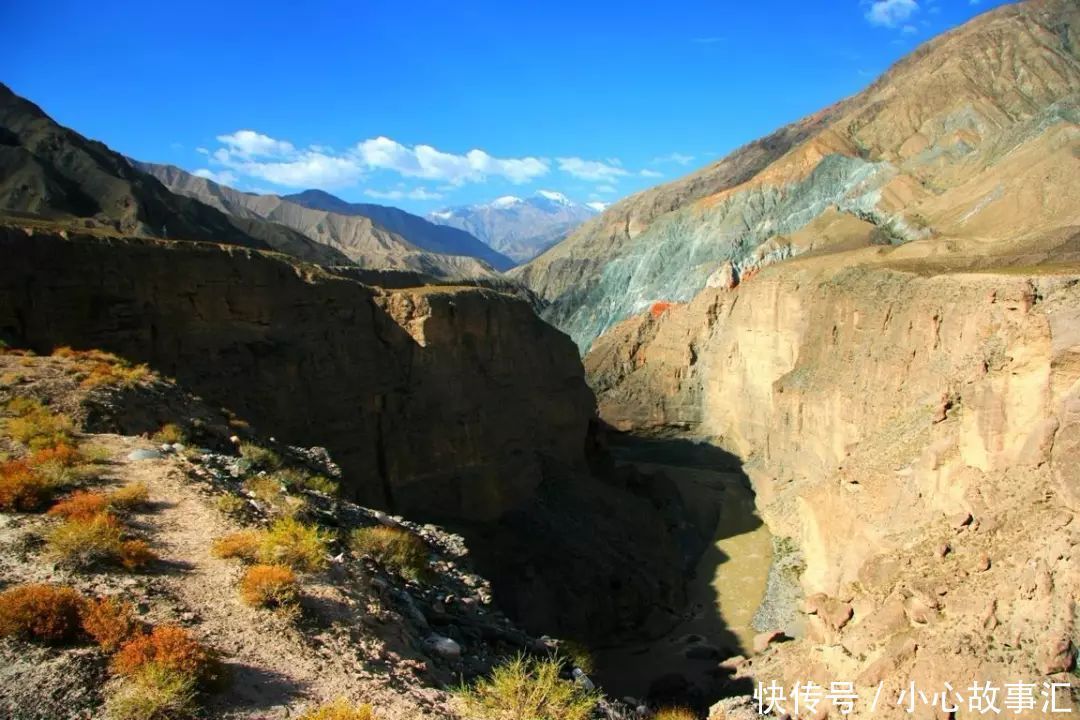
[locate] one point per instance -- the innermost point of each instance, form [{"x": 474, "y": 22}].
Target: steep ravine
[
  {"x": 449, "y": 405},
  {"x": 913, "y": 430}
]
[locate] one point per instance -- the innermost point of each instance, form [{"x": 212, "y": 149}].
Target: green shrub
[
  {"x": 257, "y": 457},
  {"x": 528, "y": 689},
  {"x": 35, "y": 426},
  {"x": 395, "y": 548},
  {"x": 169, "y": 433},
  {"x": 296, "y": 479}
]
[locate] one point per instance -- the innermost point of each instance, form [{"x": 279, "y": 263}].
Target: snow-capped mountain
[{"x": 520, "y": 228}]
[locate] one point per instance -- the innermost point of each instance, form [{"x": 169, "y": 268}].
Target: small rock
[
  {"x": 444, "y": 647},
  {"x": 961, "y": 520},
  {"x": 178, "y": 447},
  {"x": 983, "y": 563},
  {"x": 582, "y": 679},
  {"x": 762, "y": 641},
  {"x": 943, "y": 550},
  {"x": 1057, "y": 656}
]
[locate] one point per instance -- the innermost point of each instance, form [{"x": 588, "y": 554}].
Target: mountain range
[
  {"x": 969, "y": 145},
  {"x": 521, "y": 228}
]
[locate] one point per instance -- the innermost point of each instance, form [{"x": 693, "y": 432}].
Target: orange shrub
[
  {"x": 135, "y": 554},
  {"x": 49, "y": 613},
  {"x": 81, "y": 505},
  {"x": 21, "y": 490},
  {"x": 169, "y": 647},
  {"x": 110, "y": 622},
  {"x": 270, "y": 586},
  {"x": 63, "y": 454},
  {"x": 659, "y": 308},
  {"x": 243, "y": 545}
]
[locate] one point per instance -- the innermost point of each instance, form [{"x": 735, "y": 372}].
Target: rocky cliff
[
  {"x": 971, "y": 141},
  {"x": 913, "y": 428},
  {"x": 449, "y": 404}
]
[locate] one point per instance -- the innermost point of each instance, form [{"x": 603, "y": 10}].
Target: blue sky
[{"x": 426, "y": 104}]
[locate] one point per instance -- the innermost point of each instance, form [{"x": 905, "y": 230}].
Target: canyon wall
[
  {"x": 914, "y": 429},
  {"x": 432, "y": 399}
]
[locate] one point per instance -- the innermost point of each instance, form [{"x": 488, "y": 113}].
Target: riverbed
[{"x": 728, "y": 585}]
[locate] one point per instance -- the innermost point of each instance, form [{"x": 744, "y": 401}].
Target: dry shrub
[
  {"x": 291, "y": 542},
  {"x": 154, "y": 692},
  {"x": 35, "y": 426},
  {"x": 135, "y": 555},
  {"x": 81, "y": 505},
  {"x": 21, "y": 489},
  {"x": 133, "y": 496},
  {"x": 266, "y": 489},
  {"x": 81, "y": 544},
  {"x": 528, "y": 689},
  {"x": 115, "y": 372},
  {"x": 296, "y": 479},
  {"x": 339, "y": 710},
  {"x": 394, "y": 548},
  {"x": 169, "y": 433},
  {"x": 674, "y": 714},
  {"x": 63, "y": 454},
  {"x": 47, "y": 613},
  {"x": 110, "y": 622},
  {"x": 243, "y": 545},
  {"x": 272, "y": 586},
  {"x": 257, "y": 457},
  {"x": 171, "y": 648},
  {"x": 231, "y": 505}
]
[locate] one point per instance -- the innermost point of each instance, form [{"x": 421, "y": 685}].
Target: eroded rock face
[
  {"x": 431, "y": 399},
  {"x": 883, "y": 414}
]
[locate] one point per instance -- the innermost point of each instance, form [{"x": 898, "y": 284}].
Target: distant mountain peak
[{"x": 555, "y": 197}]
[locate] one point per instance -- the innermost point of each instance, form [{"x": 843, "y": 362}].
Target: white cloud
[
  {"x": 221, "y": 178},
  {"x": 248, "y": 143},
  {"x": 598, "y": 206},
  {"x": 427, "y": 162},
  {"x": 592, "y": 170},
  {"x": 415, "y": 194},
  {"x": 891, "y": 13},
  {"x": 650, "y": 173},
  {"x": 673, "y": 158}
]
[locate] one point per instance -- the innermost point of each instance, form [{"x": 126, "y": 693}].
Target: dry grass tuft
[
  {"x": 111, "y": 623},
  {"x": 395, "y": 548},
  {"x": 243, "y": 545},
  {"x": 295, "y": 479},
  {"x": 339, "y": 710},
  {"x": 133, "y": 496},
  {"x": 291, "y": 542},
  {"x": 528, "y": 689},
  {"x": 135, "y": 555},
  {"x": 272, "y": 586},
  {"x": 154, "y": 692},
  {"x": 675, "y": 714},
  {"x": 257, "y": 457},
  {"x": 82, "y": 544},
  {"x": 231, "y": 505},
  {"x": 169, "y": 433},
  {"x": 35, "y": 426},
  {"x": 46, "y": 613}
]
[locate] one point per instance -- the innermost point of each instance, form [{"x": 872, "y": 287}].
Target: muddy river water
[{"x": 724, "y": 594}]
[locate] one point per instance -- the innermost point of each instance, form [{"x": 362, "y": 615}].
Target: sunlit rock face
[{"x": 969, "y": 141}]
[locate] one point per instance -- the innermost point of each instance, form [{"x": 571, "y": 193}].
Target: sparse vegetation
[
  {"x": 272, "y": 586},
  {"x": 297, "y": 479},
  {"x": 98, "y": 368},
  {"x": 528, "y": 689},
  {"x": 259, "y": 458},
  {"x": 291, "y": 542},
  {"x": 243, "y": 545},
  {"x": 674, "y": 714},
  {"x": 46, "y": 613},
  {"x": 154, "y": 692},
  {"x": 578, "y": 655},
  {"x": 34, "y": 425},
  {"x": 395, "y": 548},
  {"x": 135, "y": 555},
  {"x": 231, "y": 504},
  {"x": 110, "y": 623},
  {"x": 81, "y": 505},
  {"x": 132, "y": 496},
  {"x": 169, "y": 433},
  {"x": 21, "y": 489},
  {"x": 82, "y": 544},
  {"x": 170, "y": 648},
  {"x": 340, "y": 709}
]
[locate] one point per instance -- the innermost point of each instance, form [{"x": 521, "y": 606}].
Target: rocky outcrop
[
  {"x": 969, "y": 141},
  {"x": 448, "y": 404},
  {"x": 912, "y": 428},
  {"x": 432, "y": 398}
]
